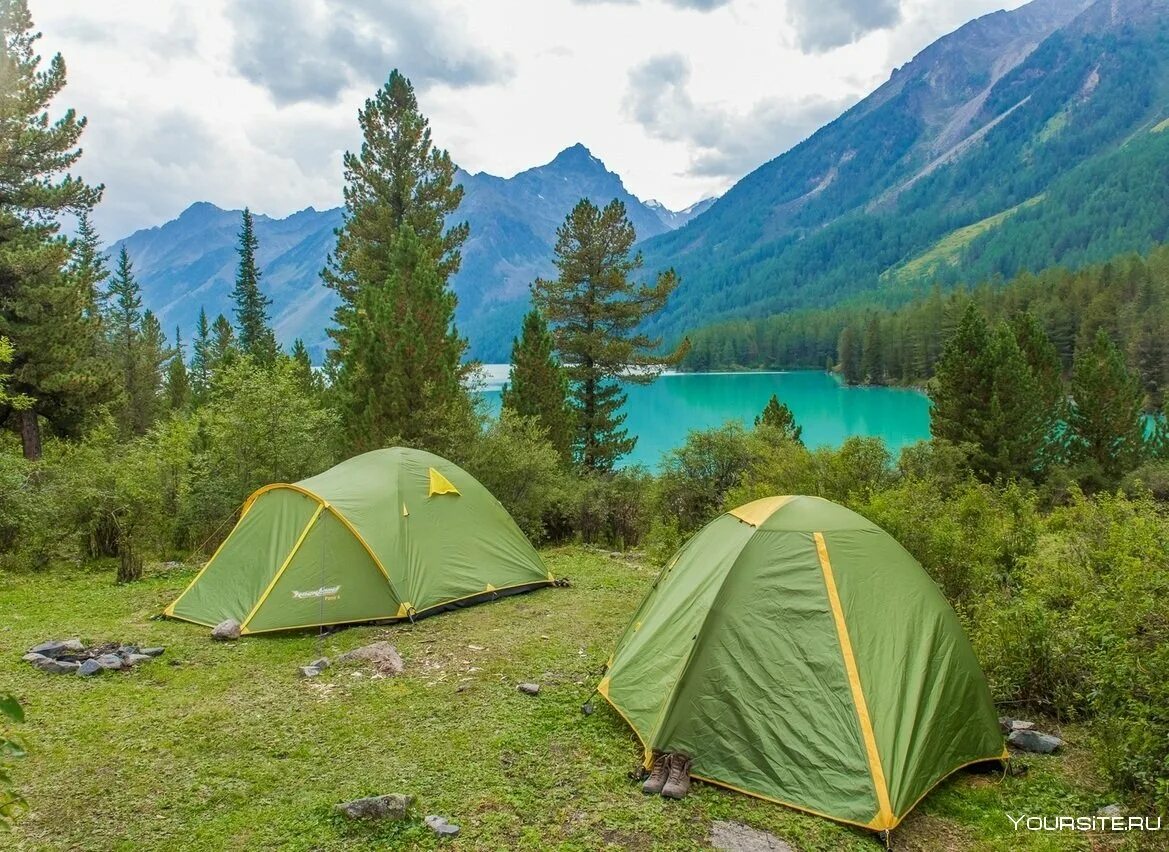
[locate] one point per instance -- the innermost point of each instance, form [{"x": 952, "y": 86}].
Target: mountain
[
  {"x": 1022, "y": 140},
  {"x": 674, "y": 219},
  {"x": 189, "y": 262}
]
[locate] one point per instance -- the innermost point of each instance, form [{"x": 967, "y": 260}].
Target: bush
[
  {"x": 696, "y": 477},
  {"x": 613, "y": 509}
]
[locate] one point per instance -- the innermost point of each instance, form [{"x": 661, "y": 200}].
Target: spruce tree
[
  {"x": 779, "y": 418},
  {"x": 1106, "y": 422},
  {"x": 152, "y": 356},
  {"x": 123, "y": 323},
  {"x": 963, "y": 382},
  {"x": 1018, "y": 423},
  {"x": 872, "y": 362},
  {"x": 310, "y": 381},
  {"x": 178, "y": 386},
  {"x": 1043, "y": 359},
  {"x": 396, "y": 357},
  {"x": 848, "y": 354},
  {"x": 223, "y": 349},
  {"x": 16, "y": 402},
  {"x": 538, "y": 386},
  {"x": 200, "y": 374},
  {"x": 45, "y": 311},
  {"x": 594, "y": 310},
  {"x": 88, "y": 265},
  {"x": 255, "y": 334}
]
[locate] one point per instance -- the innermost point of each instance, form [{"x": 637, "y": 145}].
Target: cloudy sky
[{"x": 246, "y": 102}]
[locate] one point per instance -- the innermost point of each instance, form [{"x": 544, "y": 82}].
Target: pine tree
[
  {"x": 397, "y": 358},
  {"x": 1106, "y": 423},
  {"x": 960, "y": 391},
  {"x": 594, "y": 311},
  {"x": 123, "y": 322},
  {"x": 872, "y": 362},
  {"x": 310, "y": 381},
  {"x": 200, "y": 374},
  {"x": 178, "y": 386},
  {"x": 152, "y": 356},
  {"x": 538, "y": 386},
  {"x": 849, "y": 356},
  {"x": 44, "y": 310},
  {"x": 779, "y": 418},
  {"x": 88, "y": 266},
  {"x": 251, "y": 305},
  {"x": 17, "y": 403},
  {"x": 1019, "y": 421},
  {"x": 1044, "y": 362},
  {"x": 223, "y": 349}
]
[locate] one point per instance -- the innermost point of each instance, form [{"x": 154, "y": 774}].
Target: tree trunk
[
  {"x": 30, "y": 435},
  {"x": 130, "y": 563}
]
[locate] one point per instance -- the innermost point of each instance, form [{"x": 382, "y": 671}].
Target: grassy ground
[{"x": 222, "y": 747}]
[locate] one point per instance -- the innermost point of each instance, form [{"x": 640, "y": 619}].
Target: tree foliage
[{"x": 537, "y": 386}]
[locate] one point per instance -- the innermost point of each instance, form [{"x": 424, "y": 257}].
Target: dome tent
[
  {"x": 800, "y": 655},
  {"x": 389, "y": 534}
]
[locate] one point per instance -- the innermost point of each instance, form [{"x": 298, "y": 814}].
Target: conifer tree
[
  {"x": 44, "y": 311},
  {"x": 255, "y": 336},
  {"x": 1106, "y": 423},
  {"x": 1043, "y": 359},
  {"x": 178, "y": 386},
  {"x": 872, "y": 364},
  {"x": 200, "y": 374},
  {"x": 963, "y": 382},
  {"x": 88, "y": 265},
  {"x": 538, "y": 386},
  {"x": 848, "y": 354},
  {"x": 16, "y": 402},
  {"x": 778, "y": 417},
  {"x": 223, "y": 347},
  {"x": 396, "y": 357},
  {"x": 1019, "y": 420},
  {"x": 123, "y": 322},
  {"x": 151, "y": 358},
  {"x": 594, "y": 310}
]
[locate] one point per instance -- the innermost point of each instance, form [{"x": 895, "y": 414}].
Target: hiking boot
[
  {"x": 657, "y": 776},
  {"x": 678, "y": 780}
]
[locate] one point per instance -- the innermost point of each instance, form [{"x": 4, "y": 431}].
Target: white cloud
[{"x": 825, "y": 24}]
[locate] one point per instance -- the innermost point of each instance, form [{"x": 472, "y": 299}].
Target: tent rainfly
[
  {"x": 799, "y": 654},
  {"x": 386, "y": 535}
]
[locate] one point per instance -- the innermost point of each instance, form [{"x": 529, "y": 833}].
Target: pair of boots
[{"x": 669, "y": 776}]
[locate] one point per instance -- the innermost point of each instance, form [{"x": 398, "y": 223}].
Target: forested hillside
[{"x": 1023, "y": 140}]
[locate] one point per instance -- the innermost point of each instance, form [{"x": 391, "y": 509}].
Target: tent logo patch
[{"x": 323, "y": 592}]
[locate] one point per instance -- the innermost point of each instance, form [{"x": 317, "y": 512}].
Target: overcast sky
[{"x": 247, "y": 102}]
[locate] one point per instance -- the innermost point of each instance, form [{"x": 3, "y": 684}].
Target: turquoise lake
[{"x": 662, "y": 413}]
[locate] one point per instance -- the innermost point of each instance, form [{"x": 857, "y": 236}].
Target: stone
[
  {"x": 34, "y": 658},
  {"x": 730, "y": 836},
  {"x": 1007, "y": 724},
  {"x": 308, "y": 671},
  {"x": 390, "y": 806},
  {"x": 320, "y": 663},
  {"x": 587, "y": 708},
  {"x": 57, "y": 666},
  {"x": 226, "y": 631},
  {"x": 1028, "y": 740},
  {"x": 127, "y": 650},
  {"x": 109, "y": 661},
  {"x": 1111, "y": 811},
  {"x": 57, "y": 647},
  {"x": 441, "y": 827},
  {"x": 153, "y": 652},
  {"x": 135, "y": 659},
  {"x": 382, "y": 656},
  {"x": 529, "y": 688},
  {"x": 90, "y": 668}
]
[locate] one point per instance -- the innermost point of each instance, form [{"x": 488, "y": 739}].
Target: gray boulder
[
  {"x": 57, "y": 647},
  {"x": 529, "y": 688},
  {"x": 153, "y": 652},
  {"x": 730, "y": 836},
  {"x": 226, "y": 631},
  {"x": 127, "y": 650},
  {"x": 441, "y": 827},
  {"x": 390, "y": 806},
  {"x": 48, "y": 664},
  {"x": 1028, "y": 740},
  {"x": 381, "y": 656},
  {"x": 135, "y": 659},
  {"x": 320, "y": 663},
  {"x": 109, "y": 661},
  {"x": 34, "y": 658},
  {"x": 1007, "y": 724},
  {"x": 308, "y": 671},
  {"x": 90, "y": 668}
]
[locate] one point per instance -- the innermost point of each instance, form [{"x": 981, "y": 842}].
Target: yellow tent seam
[
  {"x": 170, "y": 610},
  {"x": 603, "y": 691},
  {"x": 885, "y": 818},
  {"x": 757, "y": 512},
  {"x": 287, "y": 561}
]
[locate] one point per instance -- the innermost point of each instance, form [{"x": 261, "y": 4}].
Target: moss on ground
[{"x": 222, "y": 746}]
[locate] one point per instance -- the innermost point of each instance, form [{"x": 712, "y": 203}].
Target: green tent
[
  {"x": 390, "y": 534},
  {"x": 799, "y": 654}
]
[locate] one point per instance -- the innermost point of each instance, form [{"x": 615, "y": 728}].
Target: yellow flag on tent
[{"x": 439, "y": 484}]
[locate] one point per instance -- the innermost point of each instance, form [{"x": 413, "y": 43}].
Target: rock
[
  {"x": 308, "y": 671},
  {"x": 1113, "y": 810},
  {"x": 587, "y": 708},
  {"x": 48, "y": 664},
  {"x": 732, "y": 836},
  {"x": 153, "y": 652},
  {"x": 58, "y": 647},
  {"x": 90, "y": 668},
  {"x": 390, "y": 806},
  {"x": 109, "y": 661},
  {"x": 1028, "y": 740},
  {"x": 529, "y": 688},
  {"x": 226, "y": 631},
  {"x": 441, "y": 827},
  {"x": 127, "y": 650},
  {"x": 1007, "y": 724},
  {"x": 382, "y": 656},
  {"x": 34, "y": 658},
  {"x": 135, "y": 659},
  {"x": 321, "y": 663}
]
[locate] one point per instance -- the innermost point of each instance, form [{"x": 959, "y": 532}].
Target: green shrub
[
  {"x": 11, "y": 748},
  {"x": 613, "y": 509}
]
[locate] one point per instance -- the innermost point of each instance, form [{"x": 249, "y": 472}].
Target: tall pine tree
[
  {"x": 178, "y": 385},
  {"x": 1106, "y": 423},
  {"x": 963, "y": 382},
  {"x": 848, "y": 354},
  {"x": 594, "y": 310},
  {"x": 255, "y": 334},
  {"x": 124, "y": 324},
  {"x": 223, "y": 349},
  {"x": 538, "y": 386},
  {"x": 200, "y": 374},
  {"x": 45, "y": 311},
  {"x": 396, "y": 356},
  {"x": 779, "y": 418}
]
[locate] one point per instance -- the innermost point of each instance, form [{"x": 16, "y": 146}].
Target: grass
[
  {"x": 948, "y": 250},
  {"x": 222, "y": 746}
]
